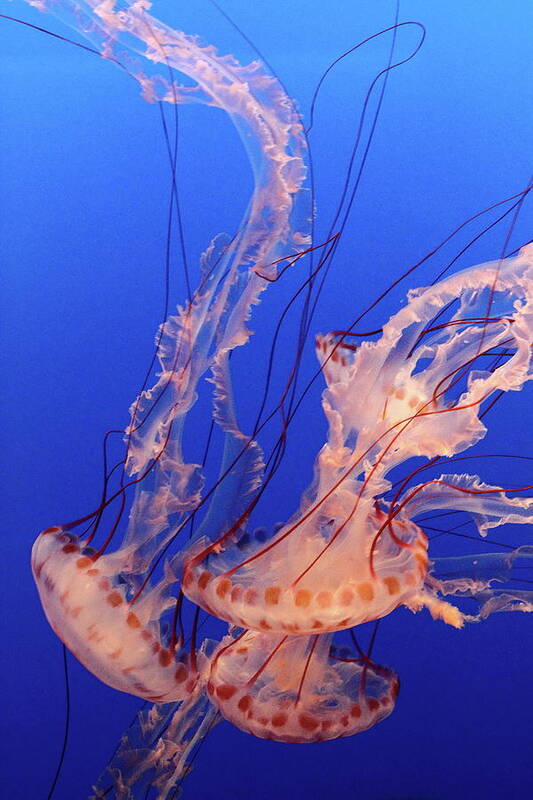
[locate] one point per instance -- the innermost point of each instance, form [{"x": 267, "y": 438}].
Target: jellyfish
[
  {"x": 297, "y": 688},
  {"x": 107, "y": 603},
  {"x": 98, "y": 602},
  {"x": 353, "y": 551}
]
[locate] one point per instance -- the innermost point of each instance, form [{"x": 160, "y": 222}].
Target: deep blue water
[{"x": 85, "y": 184}]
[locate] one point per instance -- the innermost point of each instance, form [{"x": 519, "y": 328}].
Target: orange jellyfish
[
  {"x": 296, "y": 689},
  {"x": 108, "y": 601},
  {"x": 102, "y": 602},
  {"x": 353, "y": 551},
  {"x": 88, "y": 605}
]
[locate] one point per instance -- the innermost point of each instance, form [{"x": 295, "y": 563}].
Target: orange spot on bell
[
  {"x": 302, "y": 598},
  {"x": 53, "y": 529},
  {"x": 114, "y": 599},
  {"x": 355, "y": 711},
  {"x": 272, "y": 594},
  {"x": 83, "y": 562},
  {"x": 346, "y": 597},
  {"x": 308, "y": 722},
  {"x": 293, "y": 627},
  {"x": 392, "y": 584},
  {"x": 133, "y": 620},
  {"x": 250, "y": 596},
  {"x": 225, "y": 691},
  {"x": 366, "y": 592},
  {"x": 235, "y": 593},
  {"x": 279, "y": 719},
  {"x": 181, "y": 673},
  {"x": 244, "y": 703},
  {"x": 223, "y": 587},
  {"x": 165, "y": 658},
  {"x": 204, "y": 579},
  {"x": 372, "y": 703}
]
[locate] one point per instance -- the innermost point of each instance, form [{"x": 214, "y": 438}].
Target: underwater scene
[{"x": 267, "y": 344}]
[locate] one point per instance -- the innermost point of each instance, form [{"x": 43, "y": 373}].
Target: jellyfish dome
[
  {"x": 350, "y": 554},
  {"x": 296, "y": 689}
]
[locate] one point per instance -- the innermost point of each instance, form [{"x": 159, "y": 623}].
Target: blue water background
[{"x": 85, "y": 186}]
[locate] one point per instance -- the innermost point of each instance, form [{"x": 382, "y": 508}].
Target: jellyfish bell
[
  {"x": 279, "y": 594},
  {"x": 88, "y": 605},
  {"x": 295, "y": 689},
  {"x": 353, "y": 551}
]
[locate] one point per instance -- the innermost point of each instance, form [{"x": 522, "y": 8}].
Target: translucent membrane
[
  {"x": 157, "y": 749},
  {"x": 292, "y": 689},
  {"x": 106, "y": 606},
  {"x": 350, "y": 553},
  {"x": 87, "y": 606},
  {"x": 353, "y": 550},
  {"x": 343, "y": 593}
]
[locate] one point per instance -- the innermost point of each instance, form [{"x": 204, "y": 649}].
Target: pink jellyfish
[
  {"x": 352, "y": 552},
  {"x": 106, "y": 602},
  {"x": 101, "y": 603},
  {"x": 296, "y": 689}
]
